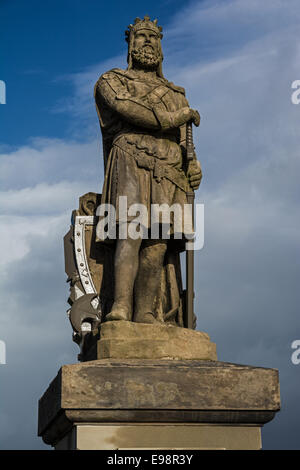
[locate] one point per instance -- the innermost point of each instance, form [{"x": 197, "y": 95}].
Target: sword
[{"x": 189, "y": 304}]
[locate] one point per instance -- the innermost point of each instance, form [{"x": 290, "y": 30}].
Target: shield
[{"x": 88, "y": 266}]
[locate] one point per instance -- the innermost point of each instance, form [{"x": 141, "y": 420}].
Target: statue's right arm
[{"x": 112, "y": 93}]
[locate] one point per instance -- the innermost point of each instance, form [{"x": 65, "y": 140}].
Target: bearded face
[
  {"x": 146, "y": 57},
  {"x": 146, "y": 50}
]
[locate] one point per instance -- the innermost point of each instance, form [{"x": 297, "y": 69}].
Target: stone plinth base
[
  {"x": 161, "y": 436},
  {"x": 129, "y": 340},
  {"x": 114, "y": 404}
]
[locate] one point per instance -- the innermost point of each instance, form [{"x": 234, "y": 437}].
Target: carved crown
[{"x": 146, "y": 23}]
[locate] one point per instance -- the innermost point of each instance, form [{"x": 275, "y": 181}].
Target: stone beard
[{"x": 146, "y": 57}]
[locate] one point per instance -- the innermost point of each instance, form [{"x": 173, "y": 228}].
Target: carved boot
[
  {"x": 146, "y": 317},
  {"x": 119, "y": 312}
]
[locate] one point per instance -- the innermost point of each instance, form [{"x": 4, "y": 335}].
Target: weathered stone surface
[
  {"x": 130, "y": 340},
  {"x": 161, "y": 436},
  {"x": 110, "y": 391}
]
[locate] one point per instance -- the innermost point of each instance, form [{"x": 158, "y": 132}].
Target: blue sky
[
  {"x": 44, "y": 41},
  {"x": 237, "y": 60}
]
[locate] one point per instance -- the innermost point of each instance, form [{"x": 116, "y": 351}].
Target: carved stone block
[
  {"x": 129, "y": 340},
  {"x": 109, "y": 392}
]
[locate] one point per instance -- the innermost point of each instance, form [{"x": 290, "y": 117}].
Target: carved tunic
[{"x": 143, "y": 142}]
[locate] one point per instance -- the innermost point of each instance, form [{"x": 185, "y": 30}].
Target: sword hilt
[{"x": 189, "y": 141}]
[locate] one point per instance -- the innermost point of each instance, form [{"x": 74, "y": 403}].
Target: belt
[{"x": 160, "y": 171}]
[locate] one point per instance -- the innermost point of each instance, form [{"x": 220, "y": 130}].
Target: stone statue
[
  {"x": 143, "y": 119},
  {"x": 147, "y": 379}
]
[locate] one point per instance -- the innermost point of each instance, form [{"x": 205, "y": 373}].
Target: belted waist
[
  {"x": 129, "y": 134},
  {"x": 147, "y": 160}
]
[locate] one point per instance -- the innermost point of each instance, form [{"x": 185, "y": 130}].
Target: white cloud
[
  {"x": 43, "y": 198},
  {"x": 51, "y": 161},
  {"x": 218, "y": 27}
]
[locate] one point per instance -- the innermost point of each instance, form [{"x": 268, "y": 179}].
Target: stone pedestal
[
  {"x": 130, "y": 340},
  {"x": 158, "y": 404},
  {"x": 162, "y": 436}
]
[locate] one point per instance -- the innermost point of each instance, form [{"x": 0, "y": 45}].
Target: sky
[{"x": 237, "y": 60}]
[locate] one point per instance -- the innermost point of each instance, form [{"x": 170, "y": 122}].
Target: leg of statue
[
  {"x": 147, "y": 282},
  {"x": 126, "y": 266}
]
